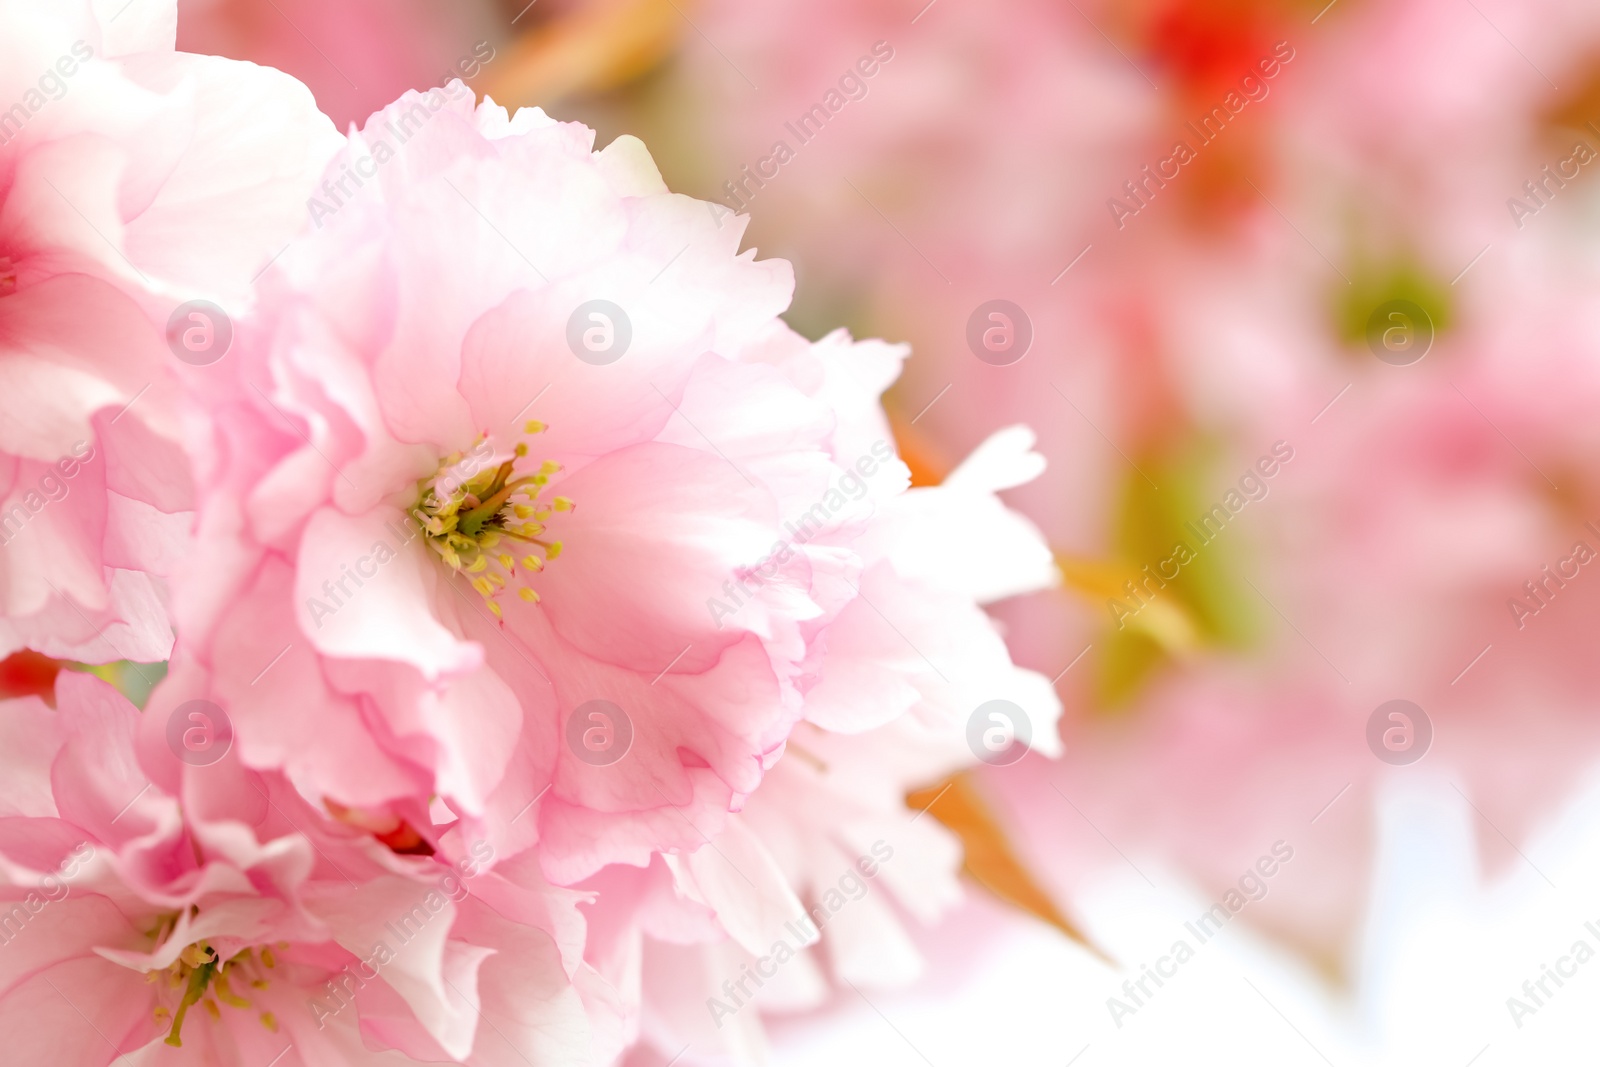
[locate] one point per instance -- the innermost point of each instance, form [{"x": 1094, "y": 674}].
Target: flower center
[
  {"x": 478, "y": 521},
  {"x": 200, "y": 976},
  {"x": 8, "y": 276}
]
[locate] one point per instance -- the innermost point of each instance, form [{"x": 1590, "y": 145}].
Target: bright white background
[{"x": 1441, "y": 951}]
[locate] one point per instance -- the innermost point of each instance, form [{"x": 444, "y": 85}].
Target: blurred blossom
[
  {"x": 1338, "y": 160},
  {"x": 355, "y": 55},
  {"x": 1451, "y": 965}
]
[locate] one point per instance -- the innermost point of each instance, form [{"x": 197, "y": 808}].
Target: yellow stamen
[
  {"x": 226, "y": 994},
  {"x": 467, "y": 514}
]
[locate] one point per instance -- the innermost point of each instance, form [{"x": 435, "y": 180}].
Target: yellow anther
[
  {"x": 465, "y": 517},
  {"x": 269, "y": 1021},
  {"x": 226, "y": 994}
]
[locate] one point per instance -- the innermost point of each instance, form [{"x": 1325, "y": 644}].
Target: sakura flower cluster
[{"x": 539, "y": 628}]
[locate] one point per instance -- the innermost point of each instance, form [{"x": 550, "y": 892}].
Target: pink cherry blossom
[
  {"x": 225, "y": 922},
  {"x": 826, "y": 850},
  {"x": 516, "y": 431},
  {"x": 133, "y": 180}
]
